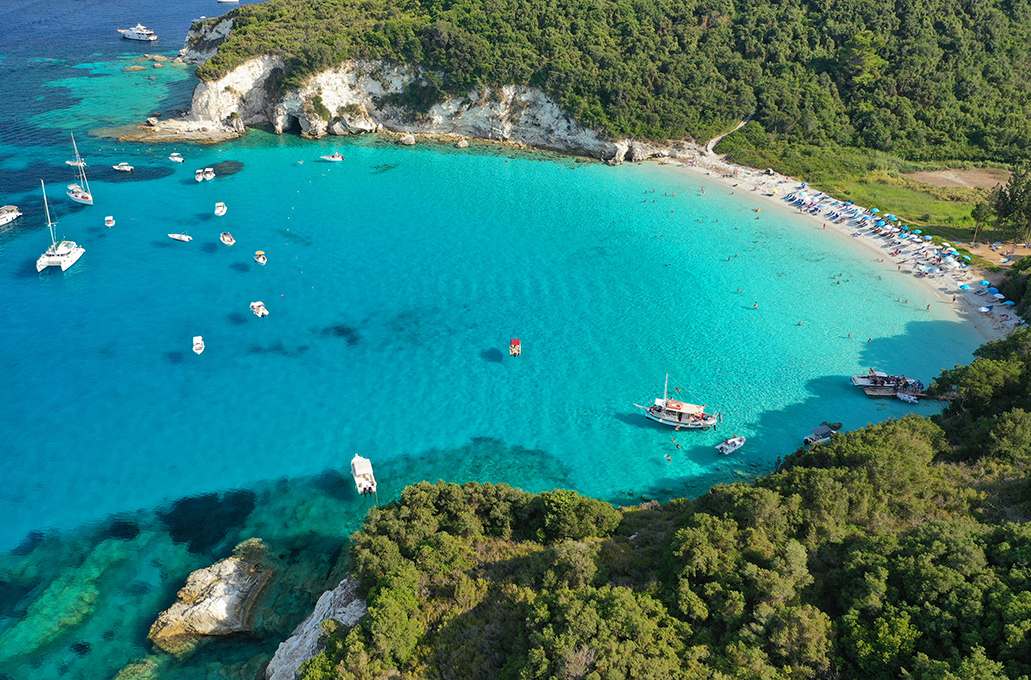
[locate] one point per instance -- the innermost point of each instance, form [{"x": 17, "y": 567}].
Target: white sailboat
[
  {"x": 80, "y": 192},
  {"x": 63, "y": 254},
  {"x": 678, "y": 414}
]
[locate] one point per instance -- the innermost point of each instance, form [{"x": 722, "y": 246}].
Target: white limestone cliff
[{"x": 341, "y": 604}]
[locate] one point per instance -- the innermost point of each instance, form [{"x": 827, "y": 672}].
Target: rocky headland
[{"x": 364, "y": 96}]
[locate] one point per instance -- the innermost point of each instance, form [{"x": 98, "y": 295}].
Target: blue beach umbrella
[
  {"x": 893, "y": 218},
  {"x": 964, "y": 287},
  {"x": 875, "y": 210},
  {"x": 1009, "y": 302},
  {"x": 993, "y": 290},
  {"x": 880, "y": 223},
  {"x": 905, "y": 227},
  {"x": 918, "y": 231},
  {"x": 983, "y": 283},
  {"x": 928, "y": 238},
  {"x": 965, "y": 257}
]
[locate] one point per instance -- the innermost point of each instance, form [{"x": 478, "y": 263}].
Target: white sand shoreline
[{"x": 772, "y": 188}]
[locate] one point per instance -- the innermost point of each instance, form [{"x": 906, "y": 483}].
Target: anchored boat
[
  {"x": 678, "y": 414},
  {"x": 361, "y": 470},
  {"x": 728, "y": 446}
]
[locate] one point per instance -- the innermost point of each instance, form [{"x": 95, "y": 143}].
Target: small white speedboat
[
  {"x": 109, "y": 221},
  {"x": 227, "y": 238},
  {"x": 259, "y": 309},
  {"x": 9, "y": 213},
  {"x": 728, "y": 446},
  {"x": 176, "y": 157},
  {"x": 333, "y": 158},
  {"x": 361, "y": 471},
  {"x": 908, "y": 398},
  {"x": 220, "y": 208},
  {"x": 259, "y": 257},
  {"x": 186, "y": 238},
  {"x": 199, "y": 175},
  {"x": 209, "y": 173},
  {"x": 123, "y": 167},
  {"x": 198, "y": 344}
]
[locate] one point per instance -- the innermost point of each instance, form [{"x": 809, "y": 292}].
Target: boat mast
[
  {"x": 82, "y": 165},
  {"x": 50, "y": 225},
  {"x": 665, "y": 388}
]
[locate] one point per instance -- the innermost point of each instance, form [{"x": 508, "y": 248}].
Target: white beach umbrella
[{"x": 999, "y": 296}]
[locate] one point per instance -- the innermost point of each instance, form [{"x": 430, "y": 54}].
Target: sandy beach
[{"x": 769, "y": 187}]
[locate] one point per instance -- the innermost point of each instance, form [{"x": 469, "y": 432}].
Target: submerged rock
[
  {"x": 341, "y": 604},
  {"x": 218, "y": 600},
  {"x": 407, "y": 140}
]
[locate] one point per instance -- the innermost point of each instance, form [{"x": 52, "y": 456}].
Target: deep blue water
[{"x": 395, "y": 281}]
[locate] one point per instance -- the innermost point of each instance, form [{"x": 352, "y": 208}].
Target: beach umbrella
[
  {"x": 993, "y": 290},
  {"x": 1009, "y": 302},
  {"x": 893, "y": 218},
  {"x": 880, "y": 223},
  {"x": 964, "y": 287},
  {"x": 875, "y": 210},
  {"x": 928, "y": 238},
  {"x": 983, "y": 283},
  {"x": 905, "y": 227},
  {"x": 946, "y": 244},
  {"x": 918, "y": 231},
  {"x": 999, "y": 296},
  {"x": 965, "y": 257}
]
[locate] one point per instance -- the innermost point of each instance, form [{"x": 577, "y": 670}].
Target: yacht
[
  {"x": 729, "y": 446},
  {"x": 881, "y": 379},
  {"x": 220, "y": 208},
  {"x": 209, "y": 173},
  {"x": 198, "y": 344},
  {"x": 123, "y": 167},
  {"x": 820, "y": 435},
  {"x": 336, "y": 157},
  {"x": 9, "y": 213},
  {"x": 226, "y": 238},
  {"x": 79, "y": 192},
  {"x": 176, "y": 157},
  {"x": 361, "y": 471},
  {"x": 138, "y": 32},
  {"x": 61, "y": 254},
  {"x": 678, "y": 414},
  {"x": 109, "y": 221},
  {"x": 184, "y": 237},
  {"x": 259, "y": 309}
]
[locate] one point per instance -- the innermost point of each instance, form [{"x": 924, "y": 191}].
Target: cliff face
[{"x": 365, "y": 96}]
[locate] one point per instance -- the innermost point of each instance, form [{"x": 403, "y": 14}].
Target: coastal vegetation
[{"x": 897, "y": 550}]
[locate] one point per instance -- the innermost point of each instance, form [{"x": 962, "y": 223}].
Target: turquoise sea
[{"x": 395, "y": 281}]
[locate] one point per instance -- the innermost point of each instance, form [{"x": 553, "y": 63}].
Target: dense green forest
[
  {"x": 922, "y": 79},
  {"x": 900, "y": 550}
]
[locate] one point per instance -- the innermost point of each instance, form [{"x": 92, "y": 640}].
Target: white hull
[
  {"x": 259, "y": 309},
  {"x": 728, "y": 446},
  {"x": 879, "y": 379},
  {"x": 336, "y": 158},
  {"x": 670, "y": 418},
  {"x": 260, "y": 259},
  {"x": 185, "y": 238},
  {"x": 227, "y": 238},
  {"x": 8, "y": 214},
  {"x": 63, "y": 255},
  {"x": 138, "y": 32},
  {"x": 80, "y": 197},
  {"x": 361, "y": 472},
  {"x": 109, "y": 221},
  {"x": 176, "y": 158},
  {"x": 220, "y": 209},
  {"x": 198, "y": 344}
]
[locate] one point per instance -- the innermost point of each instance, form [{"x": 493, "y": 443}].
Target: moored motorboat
[
  {"x": 109, "y": 221},
  {"x": 123, "y": 167},
  {"x": 515, "y": 347},
  {"x": 62, "y": 253},
  {"x": 176, "y": 157},
  {"x": 209, "y": 173},
  {"x": 259, "y": 309},
  {"x": 199, "y": 175},
  {"x": 198, "y": 344},
  {"x": 908, "y": 398},
  {"x": 361, "y": 471},
  {"x": 336, "y": 157},
  {"x": 138, "y": 32},
  {"x": 80, "y": 192},
  {"x": 220, "y": 208},
  {"x": 184, "y": 237},
  {"x": 678, "y": 414},
  {"x": 226, "y": 238},
  {"x": 728, "y": 446},
  {"x": 9, "y": 213},
  {"x": 819, "y": 435},
  {"x": 259, "y": 257}
]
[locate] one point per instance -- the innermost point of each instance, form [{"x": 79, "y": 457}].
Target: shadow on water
[
  {"x": 351, "y": 335},
  {"x": 492, "y": 355},
  {"x": 278, "y": 348},
  {"x": 226, "y": 168},
  {"x": 209, "y": 248},
  {"x": 793, "y": 422},
  {"x": 203, "y": 522},
  {"x": 240, "y": 267},
  {"x": 174, "y": 357},
  {"x": 162, "y": 244},
  {"x": 236, "y": 318}
]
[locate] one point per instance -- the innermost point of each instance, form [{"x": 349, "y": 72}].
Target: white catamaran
[
  {"x": 63, "y": 254},
  {"x": 80, "y": 192},
  {"x": 678, "y": 414}
]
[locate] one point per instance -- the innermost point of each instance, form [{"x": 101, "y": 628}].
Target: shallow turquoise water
[{"x": 395, "y": 281}]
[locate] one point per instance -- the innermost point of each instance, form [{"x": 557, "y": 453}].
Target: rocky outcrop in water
[
  {"x": 215, "y": 601},
  {"x": 341, "y": 604}
]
